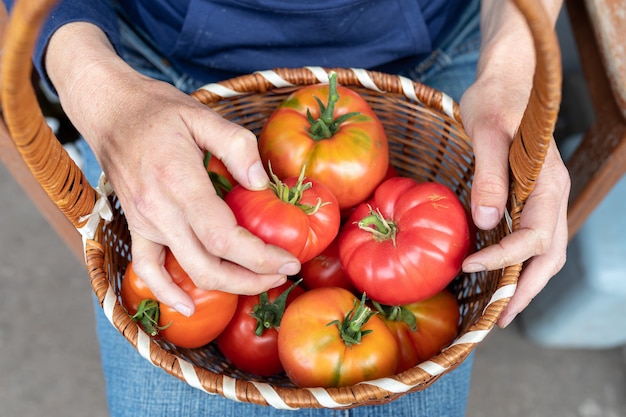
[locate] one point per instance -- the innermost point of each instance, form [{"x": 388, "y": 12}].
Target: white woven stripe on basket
[
  {"x": 447, "y": 104},
  {"x": 321, "y": 395},
  {"x": 101, "y": 211},
  {"x": 270, "y": 395}
]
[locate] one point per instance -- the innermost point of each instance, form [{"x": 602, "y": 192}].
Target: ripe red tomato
[
  {"x": 298, "y": 214},
  {"x": 250, "y": 341},
  {"x": 222, "y": 180},
  {"x": 325, "y": 270},
  {"x": 422, "y": 329},
  {"x": 214, "y": 309},
  {"x": 391, "y": 173},
  {"x": 328, "y": 338},
  {"x": 342, "y": 143},
  {"x": 407, "y": 243}
]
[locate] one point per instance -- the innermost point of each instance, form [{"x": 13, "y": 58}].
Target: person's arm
[
  {"x": 148, "y": 137},
  {"x": 491, "y": 110}
]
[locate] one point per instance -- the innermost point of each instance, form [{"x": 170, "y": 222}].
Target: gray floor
[{"x": 49, "y": 359}]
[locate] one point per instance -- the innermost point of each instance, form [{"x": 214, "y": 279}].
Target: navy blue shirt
[{"x": 213, "y": 40}]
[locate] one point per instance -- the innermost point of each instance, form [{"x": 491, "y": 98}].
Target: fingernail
[
  {"x": 474, "y": 267},
  {"x": 290, "y": 268},
  {"x": 183, "y": 309},
  {"x": 257, "y": 176},
  {"x": 486, "y": 217}
]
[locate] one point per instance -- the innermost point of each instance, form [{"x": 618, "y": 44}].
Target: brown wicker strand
[
  {"x": 425, "y": 143},
  {"x": 49, "y": 162},
  {"x": 535, "y": 133}
]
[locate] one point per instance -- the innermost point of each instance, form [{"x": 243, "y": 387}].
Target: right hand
[{"x": 149, "y": 138}]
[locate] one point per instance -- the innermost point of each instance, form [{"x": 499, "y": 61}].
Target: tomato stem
[
  {"x": 147, "y": 315},
  {"x": 351, "y": 328},
  {"x": 292, "y": 195},
  {"x": 380, "y": 228},
  {"x": 397, "y": 313},
  {"x": 269, "y": 314},
  {"x": 326, "y": 125}
]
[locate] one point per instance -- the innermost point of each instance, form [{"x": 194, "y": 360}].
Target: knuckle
[
  {"x": 542, "y": 241},
  {"x": 490, "y": 185},
  {"x": 218, "y": 242},
  {"x": 241, "y": 142}
]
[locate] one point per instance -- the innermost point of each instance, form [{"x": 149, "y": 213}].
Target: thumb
[{"x": 490, "y": 187}]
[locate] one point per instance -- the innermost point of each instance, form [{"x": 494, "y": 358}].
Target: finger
[
  {"x": 234, "y": 145},
  {"x": 490, "y": 186},
  {"x": 540, "y": 269},
  {"x": 217, "y": 233},
  {"x": 536, "y": 274},
  {"x": 542, "y": 213},
  {"x": 208, "y": 266},
  {"x": 212, "y": 273},
  {"x": 148, "y": 263}
]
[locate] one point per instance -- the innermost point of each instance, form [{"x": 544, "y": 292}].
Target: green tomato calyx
[
  {"x": 326, "y": 125},
  {"x": 292, "y": 195},
  {"x": 147, "y": 315},
  {"x": 269, "y": 314},
  {"x": 397, "y": 313},
  {"x": 381, "y": 229},
  {"x": 221, "y": 184},
  {"x": 351, "y": 327}
]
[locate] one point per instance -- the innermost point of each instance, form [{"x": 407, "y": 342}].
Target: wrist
[{"x": 86, "y": 72}]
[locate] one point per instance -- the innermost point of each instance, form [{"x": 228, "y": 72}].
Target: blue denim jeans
[{"x": 136, "y": 388}]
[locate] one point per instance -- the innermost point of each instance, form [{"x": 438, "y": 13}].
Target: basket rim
[{"x": 373, "y": 391}]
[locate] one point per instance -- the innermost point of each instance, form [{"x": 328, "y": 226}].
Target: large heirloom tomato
[
  {"x": 422, "y": 329},
  {"x": 407, "y": 243},
  {"x": 342, "y": 143},
  {"x": 214, "y": 309},
  {"x": 298, "y": 214},
  {"x": 328, "y": 338},
  {"x": 250, "y": 341}
]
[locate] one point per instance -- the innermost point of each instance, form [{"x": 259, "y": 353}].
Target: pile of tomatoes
[{"x": 377, "y": 253}]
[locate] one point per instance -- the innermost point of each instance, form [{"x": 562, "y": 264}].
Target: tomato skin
[
  {"x": 284, "y": 224},
  {"x": 214, "y": 309},
  {"x": 351, "y": 162},
  {"x": 325, "y": 270},
  {"x": 437, "y": 324},
  {"x": 240, "y": 345},
  {"x": 431, "y": 241},
  {"x": 222, "y": 180},
  {"x": 313, "y": 352},
  {"x": 347, "y": 212}
]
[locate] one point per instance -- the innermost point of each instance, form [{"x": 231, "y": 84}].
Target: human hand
[
  {"x": 149, "y": 138},
  {"x": 491, "y": 110}
]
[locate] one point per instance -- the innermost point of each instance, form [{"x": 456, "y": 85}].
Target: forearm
[
  {"x": 93, "y": 83},
  {"x": 505, "y": 67},
  {"x": 506, "y": 38}
]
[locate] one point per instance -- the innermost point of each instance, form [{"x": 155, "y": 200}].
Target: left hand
[{"x": 491, "y": 110}]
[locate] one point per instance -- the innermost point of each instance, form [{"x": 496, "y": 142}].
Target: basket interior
[{"x": 424, "y": 144}]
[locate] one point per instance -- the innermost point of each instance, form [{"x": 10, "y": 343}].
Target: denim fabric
[{"x": 137, "y": 388}]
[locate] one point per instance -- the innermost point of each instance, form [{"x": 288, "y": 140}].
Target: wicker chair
[{"x": 600, "y": 159}]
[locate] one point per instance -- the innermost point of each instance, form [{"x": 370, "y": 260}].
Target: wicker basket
[{"x": 427, "y": 142}]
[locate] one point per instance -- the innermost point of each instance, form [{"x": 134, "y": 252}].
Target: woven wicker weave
[{"x": 427, "y": 142}]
